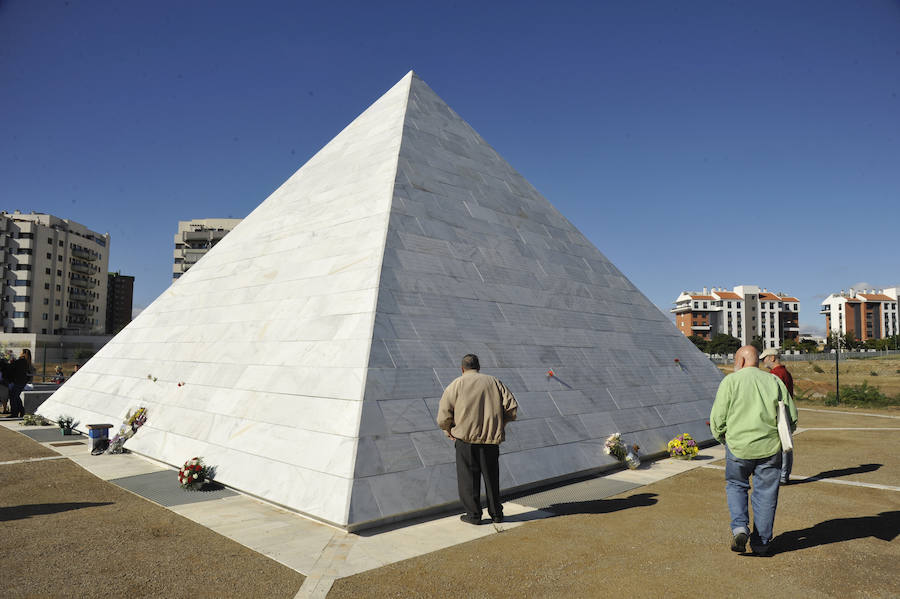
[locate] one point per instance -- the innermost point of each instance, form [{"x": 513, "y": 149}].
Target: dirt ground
[
  {"x": 852, "y": 372},
  {"x": 66, "y": 533},
  {"x": 672, "y": 538}
]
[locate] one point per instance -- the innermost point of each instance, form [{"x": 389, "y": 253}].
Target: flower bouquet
[
  {"x": 193, "y": 474},
  {"x": 615, "y": 447},
  {"x": 66, "y": 424},
  {"x": 129, "y": 427},
  {"x": 35, "y": 420},
  {"x": 632, "y": 459},
  {"x": 683, "y": 447}
]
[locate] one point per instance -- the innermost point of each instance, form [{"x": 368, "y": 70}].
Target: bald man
[{"x": 744, "y": 419}]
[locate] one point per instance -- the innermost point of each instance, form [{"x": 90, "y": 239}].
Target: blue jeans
[{"x": 766, "y": 473}]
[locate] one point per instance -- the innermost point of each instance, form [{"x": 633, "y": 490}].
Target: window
[
  {"x": 57, "y": 302},
  {"x": 50, "y": 240},
  {"x": 58, "y": 288},
  {"x": 49, "y": 256},
  {"x": 44, "y": 316},
  {"x": 56, "y": 317},
  {"x": 46, "y": 300},
  {"x": 739, "y": 304},
  {"x": 46, "y": 285},
  {"x": 58, "y": 273},
  {"x": 20, "y": 314},
  {"x": 59, "y": 258},
  {"x": 47, "y": 271},
  {"x": 60, "y": 243},
  {"x": 729, "y": 304}
]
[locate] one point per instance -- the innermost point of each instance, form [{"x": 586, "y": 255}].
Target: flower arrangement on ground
[
  {"x": 66, "y": 424},
  {"x": 683, "y": 446},
  {"x": 35, "y": 420},
  {"x": 632, "y": 459},
  {"x": 133, "y": 421},
  {"x": 193, "y": 474},
  {"x": 615, "y": 447}
]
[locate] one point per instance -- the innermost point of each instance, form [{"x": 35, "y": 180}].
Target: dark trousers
[
  {"x": 15, "y": 401},
  {"x": 472, "y": 462}
]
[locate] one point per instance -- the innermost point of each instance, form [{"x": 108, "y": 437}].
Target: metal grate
[
  {"x": 48, "y": 434},
  {"x": 163, "y": 488}
]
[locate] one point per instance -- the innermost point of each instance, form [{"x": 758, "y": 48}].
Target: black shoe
[
  {"x": 498, "y": 519},
  {"x": 469, "y": 519},
  {"x": 739, "y": 542},
  {"x": 761, "y": 551}
]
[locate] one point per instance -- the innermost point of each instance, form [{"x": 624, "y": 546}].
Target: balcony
[
  {"x": 681, "y": 308},
  {"x": 191, "y": 257},
  {"x": 83, "y": 254},
  {"x": 700, "y": 327},
  {"x": 83, "y": 282},
  {"x": 204, "y": 235},
  {"x": 82, "y": 268}
]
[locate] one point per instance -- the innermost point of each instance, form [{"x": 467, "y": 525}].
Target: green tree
[
  {"x": 723, "y": 343},
  {"x": 790, "y": 344},
  {"x": 848, "y": 340},
  {"x": 757, "y": 342},
  {"x": 808, "y": 345},
  {"x": 700, "y": 342}
]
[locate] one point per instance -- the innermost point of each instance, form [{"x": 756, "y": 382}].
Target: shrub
[
  {"x": 817, "y": 368},
  {"x": 873, "y": 373},
  {"x": 864, "y": 394}
]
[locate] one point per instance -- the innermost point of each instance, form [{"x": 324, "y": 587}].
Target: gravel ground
[
  {"x": 67, "y": 533},
  {"x": 14, "y": 446},
  {"x": 672, "y": 538}
]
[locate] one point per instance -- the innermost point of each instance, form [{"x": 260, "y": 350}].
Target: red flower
[
  {"x": 676, "y": 359},
  {"x": 550, "y": 373}
]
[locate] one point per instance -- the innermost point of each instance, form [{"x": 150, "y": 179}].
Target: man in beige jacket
[{"x": 474, "y": 410}]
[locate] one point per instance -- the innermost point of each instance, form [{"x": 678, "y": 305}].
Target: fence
[{"x": 815, "y": 357}]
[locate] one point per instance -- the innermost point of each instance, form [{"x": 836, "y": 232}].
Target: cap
[{"x": 769, "y": 352}]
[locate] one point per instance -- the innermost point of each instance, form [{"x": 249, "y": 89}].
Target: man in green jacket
[{"x": 744, "y": 419}]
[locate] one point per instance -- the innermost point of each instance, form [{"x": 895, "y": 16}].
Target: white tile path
[{"x": 324, "y": 553}]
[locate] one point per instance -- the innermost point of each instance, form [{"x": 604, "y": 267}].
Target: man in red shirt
[{"x": 770, "y": 359}]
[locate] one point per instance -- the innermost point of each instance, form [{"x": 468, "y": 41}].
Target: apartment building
[
  {"x": 195, "y": 238},
  {"x": 54, "y": 275},
  {"x": 868, "y": 314},
  {"x": 744, "y": 312},
  {"x": 119, "y": 298}
]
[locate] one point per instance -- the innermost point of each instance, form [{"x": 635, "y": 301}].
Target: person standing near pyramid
[
  {"x": 473, "y": 411},
  {"x": 744, "y": 419},
  {"x": 771, "y": 359}
]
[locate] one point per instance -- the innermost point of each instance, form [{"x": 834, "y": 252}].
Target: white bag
[{"x": 784, "y": 428}]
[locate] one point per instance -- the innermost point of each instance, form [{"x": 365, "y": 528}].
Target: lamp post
[{"x": 837, "y": 376}]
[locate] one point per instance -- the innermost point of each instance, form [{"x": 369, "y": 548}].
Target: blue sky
[{"x": 695, "y": 143}]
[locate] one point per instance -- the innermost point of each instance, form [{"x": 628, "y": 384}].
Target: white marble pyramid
[{"x": 305, "y": 354}]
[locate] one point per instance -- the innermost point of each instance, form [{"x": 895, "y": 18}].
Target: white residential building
[
  {"x": 195, "y": 238},
  {"x": 54, "y": 275},
  {"x": 743, "y": 312},
  {"x": 867, "y": 313}
]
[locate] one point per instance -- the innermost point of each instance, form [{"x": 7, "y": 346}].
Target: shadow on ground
[
  {"x": 838, "y": 472},
  {"x": 884, "y": 526},
  {"x": 602, "y": 506},
  {"x": 20, "y": 512}
]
